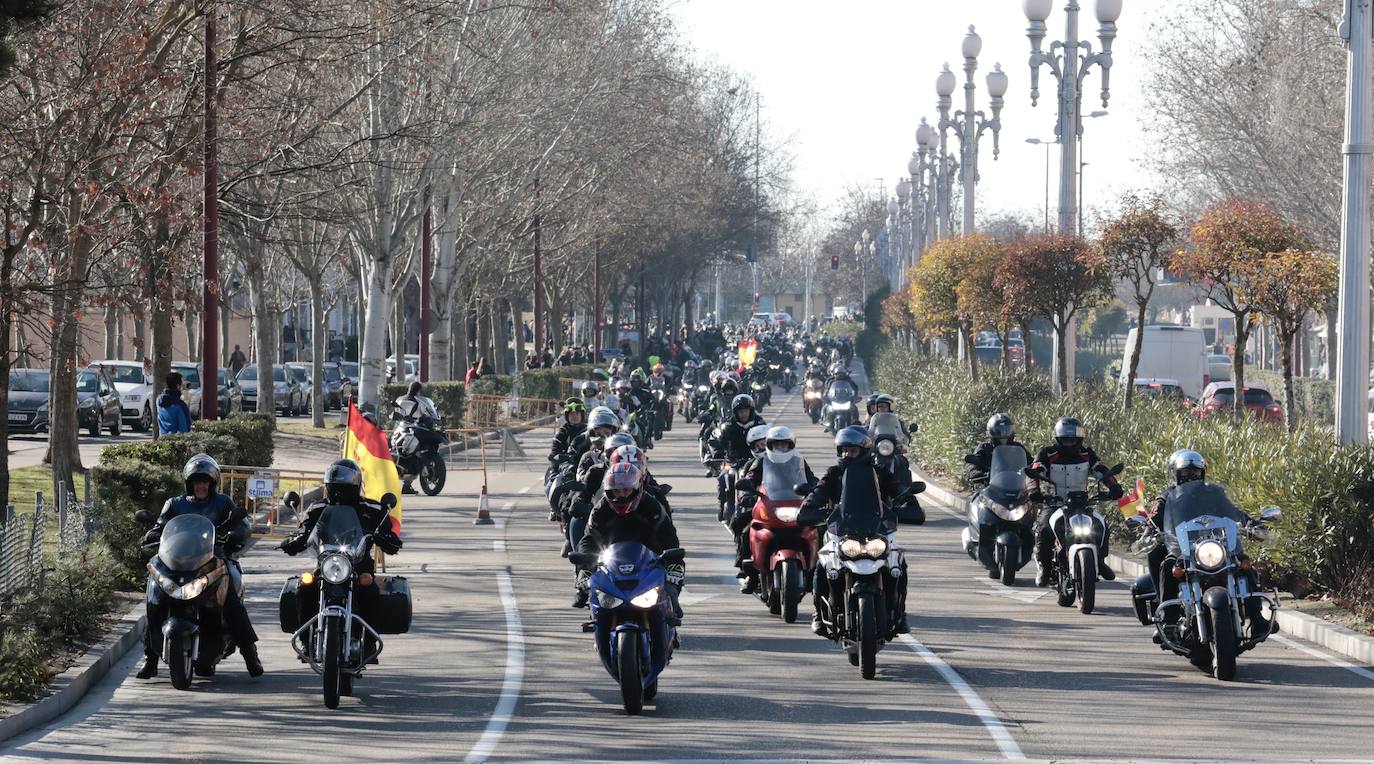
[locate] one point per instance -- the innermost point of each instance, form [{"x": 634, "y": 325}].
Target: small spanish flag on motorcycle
[
  {"x": 1133, "y": 503},
  {"x": 366, "y": 444}
]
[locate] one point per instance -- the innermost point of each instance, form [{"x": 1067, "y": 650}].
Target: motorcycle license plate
[{"x": 19, "y": 417}]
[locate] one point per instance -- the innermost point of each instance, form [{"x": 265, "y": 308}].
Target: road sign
[{"x": 261, "y": 485}]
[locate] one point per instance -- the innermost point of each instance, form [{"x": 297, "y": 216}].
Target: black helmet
[
  {"x": 343, "y": 482},
  {"x": 1001, "y": 429},
  {"x": 1068, "y": 431},
  {"x": 200, "y": 465},
  {"x": 1186, "y": 466},
  {"x": 728, "y": 386},
  {"x": 852, "y": 436},
  {"x": 740, "y": 401}
]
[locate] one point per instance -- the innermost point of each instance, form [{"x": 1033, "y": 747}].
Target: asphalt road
[{"x": 496, "y": 666}]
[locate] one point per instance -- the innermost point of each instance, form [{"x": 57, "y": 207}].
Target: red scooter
[{"x": 783, "y": 553}]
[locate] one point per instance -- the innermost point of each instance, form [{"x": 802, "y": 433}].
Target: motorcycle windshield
[
  {"x": 778, "y": 479},
  {"x": 188, "y": 542},
  {"x": 841, "y": 392},
  {"x": 813, "y": 383},
  {"x": 1204, "y": 510},
  {"x": 887, "y": 425},
  {"x": 1006, "y": 478},
  {"x": 338, "y": 529},
  {"x": 861, "y": 504}
]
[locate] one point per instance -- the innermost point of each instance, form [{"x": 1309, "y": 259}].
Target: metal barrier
[
  {"x": 570, "y": 387},
  {"x": 489, "y": 413},
  {"x": 260, "y": 489}
]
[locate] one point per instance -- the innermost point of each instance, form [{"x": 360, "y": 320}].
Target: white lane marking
[
  {"x": 508, "y": 506},
  {"x": 996, "y": 729},
  {"x": 498, "y": 545},
  {"x": 526, "y": 489},
  {"x": 996, "y": 588},
  {"x": 1333, "y": 660},
  {"x": 510, "y": 686}
]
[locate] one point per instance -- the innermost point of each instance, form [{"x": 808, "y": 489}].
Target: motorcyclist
[
  {"x": 733, "y": 445},
  {"x": 574, "y": 424},
  {"x": 627, "y": 512},
  {"x": 1188, "y": 466},
  {"x": 414, "y": 407},
  {"x": 780, "y": 447},
  {"x": 853, "y": 447},
  {"x": 1056, "y": 462},
  {"x": 1001, "y": 432},
  {"x": 343, "y": 486},
  {"x": 591, "y": 395},
  {"x": 201, "y": 477},
  {"x": 839, "y": 382}
]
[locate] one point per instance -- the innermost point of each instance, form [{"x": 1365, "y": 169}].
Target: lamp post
[
  {"x": 944, "y": 88},
  {"x": 1352, "y": 355},
  {"x": 1069, "y": 69},
  {"x": 1046, "y": 144},
  {"x": 969, "y": 123},
  {"x": 927, "y": 144},
  {"x": 896, "y": 208}
]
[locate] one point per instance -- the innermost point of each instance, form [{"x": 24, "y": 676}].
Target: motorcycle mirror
[
  {"x": 746, "y": 485},
  {"x": 1270, "y": 514},
  {"x": 676, "y": 554},
  {"x": 913, "y": 428},
  {"x": 144, "y": 516},
  {"x": 388, "y": 501},
  {"x": 970, "y": 459},
  {"x": 291, "y": 499},
  {"x": 802, "y": 489},
  {"x": 1135, "y": 521},
  {"x": 1032, "y": 472},
  {"x": 1117, "y": 469}
]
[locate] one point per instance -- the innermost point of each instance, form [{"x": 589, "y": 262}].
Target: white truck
[{"x": 1170, "y": 352}]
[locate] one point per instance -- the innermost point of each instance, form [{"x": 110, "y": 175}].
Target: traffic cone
[{"x": 483, "y": 509}]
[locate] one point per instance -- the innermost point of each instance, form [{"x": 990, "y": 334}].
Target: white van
[{"x": 1170, "y": 352}]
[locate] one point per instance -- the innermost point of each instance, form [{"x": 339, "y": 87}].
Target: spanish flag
[
  {"x": 365, "y": 443},
  {"x": 1133, "y": 503},
  {"x": 748, "y": 351}
]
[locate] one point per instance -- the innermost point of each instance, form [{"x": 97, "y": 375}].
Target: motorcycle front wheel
[
  {"x": 432, "y": 474},
  {"x": 868, "y": 636},
  {"x": 333, "y": 646},
  {"x": 1223, "y": 645},
  {"x": 631, "y": 680},
  {"x": 1007, "y": 566},
  {"x": 179, "y": 661},
  {"x": 791, "y": 589},
  {"x": 1087, "y": 581}
]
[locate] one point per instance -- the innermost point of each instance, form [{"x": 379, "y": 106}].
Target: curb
[
  {"x": 1334, "y": 637},
  {"x": 72, "y": 685}
]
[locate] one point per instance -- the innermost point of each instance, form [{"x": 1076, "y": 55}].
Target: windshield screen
[
  {"x": 1006, "y": 481},
  {"x": 190, "y": 375},
  {"x": 188, "y": 542},
  {"x": 778, "y": 479},
  {"x": 886, "y": 425},
  {"x": 861, "y": 506},
  {"x": 29, "y": 381},
  {"x": 131, "y": 375},
  {"x": 249, "y": 374},
  {"x": 278, "y": 374},
  {"x": 841, "y": 391},
  {"x": 331, "y": 374},
  {"x": 1253, "y": 397},
  {"x": 86, "y": 382},
  {"x": 338, "y": 526}
]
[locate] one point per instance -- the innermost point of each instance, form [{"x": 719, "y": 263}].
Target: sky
[{"x": 846, "y": 83}]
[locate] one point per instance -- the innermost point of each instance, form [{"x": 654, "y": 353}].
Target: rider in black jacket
[
  {"x": 201, "y": 475},
  {"x": 1001, "y": 432},
  {"x": 626, "y": 512},
  {"x": 1068, "y": 450}
]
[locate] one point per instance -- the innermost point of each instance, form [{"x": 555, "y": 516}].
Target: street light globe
[
  {"x": 997, "y": 82},
  {"x": 1108, "y": 11},
  {"x": 892, "y": 207},
  {"x": 973, "y": 44},
  {"x": 932, "y": 140},
  {"x": 913, "y": 166},
  {"x": 923, "y": 133},
  {"x": 858, "y": 249},
  {"x": 903, "y": 189},
  {"x": 1037, "y": 10},
  {"x": 944, "y": 84},
  {"x": 865, "y": 236}
]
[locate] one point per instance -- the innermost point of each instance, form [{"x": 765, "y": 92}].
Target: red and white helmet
[
  {"x": 631, "y": 454},
  {"x": 624, "y": 487}
]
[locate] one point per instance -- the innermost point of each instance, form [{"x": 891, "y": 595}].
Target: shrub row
[
  {"x": 534, "y": 383},
  {"x": 1326, "y": 491},
  {"x": 449, "y": 398}
]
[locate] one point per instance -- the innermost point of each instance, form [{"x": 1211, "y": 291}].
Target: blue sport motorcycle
[{"x": 632, "y": 616}]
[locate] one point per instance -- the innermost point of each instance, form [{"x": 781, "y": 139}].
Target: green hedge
[
  {"x": 1313, "y": 399},
  {"x": 173, "y": 451},
  {"x": 253, "y": 433},
  {"x": 124, "y": 486},
  {"x": 1326, "y": 491},
  {"x": 535, "y": 383},
  {"x": 449, "y": 398}
]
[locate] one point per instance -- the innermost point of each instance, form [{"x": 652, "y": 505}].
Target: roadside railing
[{"x": 260, "y": 490}]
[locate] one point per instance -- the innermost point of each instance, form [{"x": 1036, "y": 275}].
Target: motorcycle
[
  {"x": 1215, "y": 616},
  {"x": 889, "y": 448},
  {"x": 632, "y": 616},
  {"x": 1000, "y": 532},
  {"x": 840, "y": 408},
  {"x": 783, "y": 553},
  {"x": 811, "y": 399},
  {"x": 664, "y": 420},
  {"x": 416, "y": 445},
  {"x": 761, "y": 391},
  {"x": 699, "y": 399},
  {"x": 191, "y": 573},
  {"x": 337, "y": 613},
  {"x": 862, "y": 563},
  {"x": 1078, "y": 534}
]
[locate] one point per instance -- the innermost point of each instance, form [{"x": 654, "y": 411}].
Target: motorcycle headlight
[
  {"x": 608, "y": 600},
  {"x": 886, "y": 448},
  {"x": 1081, "y": 526},
  {"x": 336, "y": 569},
  {"x": 1209, "y": 554},
  {"x": 851, "y": 547},
  {"x": 874, "y": 547},
  {"x": 192, "y": 589},
  {"x": 787, "y": 514},
  {"x": 703, "y": 388},
  {"x": 646, "y": 600}
]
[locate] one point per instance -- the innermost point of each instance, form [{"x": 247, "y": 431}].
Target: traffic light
[
  {"x": 834, "y": 262},
  {"x": 751, "y": 253}
]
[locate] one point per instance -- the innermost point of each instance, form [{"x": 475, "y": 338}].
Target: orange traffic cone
[{"x": 483, "y": 509}]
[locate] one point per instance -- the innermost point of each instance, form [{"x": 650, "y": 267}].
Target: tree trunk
[
  {"x": 500, "y": 341},
  {"x": 190, "y": 325},
  {"x": 482, "y": 317},
  {"x": 372, "y": 347},
  {"x": 1005, "y": 336},
  {"x": 111, "y": 334},
  {"x": 119, "y": 334},
  {"x": 1129, "y": 392},
  {"x": 1290, "y": 415},
  {"x": 8, "y": 253},
  {"x": 1061, "y": 331},
  {"x": 518, "y": 329},
  {"x": 1238, "y": 364},
  {"x": 225, "y": 349},
  {"x": 440, "y": 339},
  {"x": 140, "y": 336},
  {"x": 318, "y": 329},
  {"x": 64, "y": 453},
  {"x": 160, "y": 308}
]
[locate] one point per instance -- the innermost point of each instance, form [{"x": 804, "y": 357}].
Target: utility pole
[
  {"x": 425, "y": 254},
  {"x": 596, "y": 302},
  {"x": 1352, "y": 360},
  {"x": 538, "y": 282},
  {"x": 209, "y": 327}
]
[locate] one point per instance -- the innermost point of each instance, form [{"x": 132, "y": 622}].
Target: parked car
[
  {"x": 337, "y": 386},
  {"x": 299, "y": 374},
  {"x": 1163, "y": 388},
  {"x": 97, "y": 402},
  {"x": 230, "y": 394},
  {"x": 412, "y": 369},
  {"x": 28, "y": 408},
  {"x": 1219, "y": 367},
  {"x": 135, "y": 388},
  {"x": 190, "y": 385},
  {"x": 350, "y": 370},
  {"x": 988, "y": 349},
  {"x": 286, "y": 394},
  {"x": 1221, "y": 396},
  {"x": 1169, "y": 352}
]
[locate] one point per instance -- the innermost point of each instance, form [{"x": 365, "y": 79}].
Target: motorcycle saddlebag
[
  {"x": 289, "y": 605},
  {"x": 393, "y": 605}
]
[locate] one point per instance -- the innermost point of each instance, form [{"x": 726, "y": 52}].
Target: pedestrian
[
  {"x": 173, "y": 415},
  {"x": 531, "y": 360},
  {"x": 237, "y": 360},
  {"x": 473, "y": 373}
]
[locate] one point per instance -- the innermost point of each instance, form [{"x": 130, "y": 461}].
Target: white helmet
[
  {"x": 757, "y": 433},
  {"x": 782, "y": 447},
  {"x": 613, "y": 402},
  {"x": 602, "y": 417}
]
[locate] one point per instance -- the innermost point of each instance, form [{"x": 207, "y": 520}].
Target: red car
[{"x": 1221, "y": 396}]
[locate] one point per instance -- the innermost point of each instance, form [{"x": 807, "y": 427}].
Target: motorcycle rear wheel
[
  {"x": 333, "y": 645},
  {"x": 868, "y": 636},
  {"x": 791, "y": 590},
  {"x": 1223, "y": 645},
  {"x": 1087, "y": 581},
  {"x": 433, "y": 474},
  {"x": 631, "y": 681},
  {"x": 179, "y": 661}
]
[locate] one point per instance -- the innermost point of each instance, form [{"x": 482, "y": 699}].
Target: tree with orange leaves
[{"x": 1287, "y": 286}]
